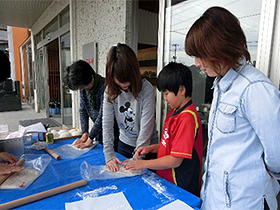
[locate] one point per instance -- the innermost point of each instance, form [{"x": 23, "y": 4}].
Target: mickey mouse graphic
[{"x": 129, "y": 115}]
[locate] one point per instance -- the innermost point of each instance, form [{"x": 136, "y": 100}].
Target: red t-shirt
[{"x": 182, "y": 137}]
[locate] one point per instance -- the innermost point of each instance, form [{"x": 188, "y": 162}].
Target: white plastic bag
[
  {"x": 69, "y": 151},
  {"x": 89, "y": 172}
]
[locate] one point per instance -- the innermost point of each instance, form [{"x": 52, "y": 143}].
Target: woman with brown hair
[
  {"x": 131, "y": 100},
  {"x": 243, "y": 153}
]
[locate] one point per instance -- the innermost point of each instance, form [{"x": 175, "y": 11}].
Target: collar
[
  {"x": 226, "y": 81},
  {"x": 97, "y": 78},
  {"x": 180, "y": 110}
]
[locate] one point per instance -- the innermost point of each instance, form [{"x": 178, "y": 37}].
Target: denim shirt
[{"x": 244, "y": 142}]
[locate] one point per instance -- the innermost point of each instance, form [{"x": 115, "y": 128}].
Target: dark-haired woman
[{"x": 81, "y": 76}]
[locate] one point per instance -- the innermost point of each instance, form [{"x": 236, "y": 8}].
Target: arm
[
  {"x": 147, "y": 117},
  {"x": 108, "y": 128},
  {"x": 84, "y": 141},
  {"x": 264, "y": 117},
  {"x": 83, "y": 112},
  {"x": 97, "y": 127},
  {"x": 155, "y": 164}
]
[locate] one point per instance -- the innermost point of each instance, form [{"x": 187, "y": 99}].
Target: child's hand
[
  {"x": 112, "y": 165},
  {"x": 136, "y": 165},
  {"x": 7, "y": 157},
  {"x": 145, "y": 150}
]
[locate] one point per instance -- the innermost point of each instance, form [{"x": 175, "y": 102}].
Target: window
[
  {"x": 64, "y": 17},
  {"x": 179, "y": 16}
]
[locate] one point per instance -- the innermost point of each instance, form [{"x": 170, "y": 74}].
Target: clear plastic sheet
[
  {"x": 98, "y": 191},
  {"x": 69, "y": 151},
  {"x": 90, "y": 172},
  {"x": 34, "y": 167},
  {"x": 38, "y": 145},
  {"x": 135, "y": 189}
]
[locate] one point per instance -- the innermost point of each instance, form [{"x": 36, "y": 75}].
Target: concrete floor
[{"x": 12, "y": 118}]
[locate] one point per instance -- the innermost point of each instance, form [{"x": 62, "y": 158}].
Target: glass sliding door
[
  {"x": 52, "y": 57},
  {"x": 41, "y": 75},
  {"x": 179, "y": 15},
  {"x": 30, "y": 74},
  {"x": 66, "y": 102}
]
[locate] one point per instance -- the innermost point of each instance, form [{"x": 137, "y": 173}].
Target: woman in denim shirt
[{"x": 243, "y": 155}]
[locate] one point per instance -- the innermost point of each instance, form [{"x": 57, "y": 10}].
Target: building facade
[{"x": 69, "y": 30}]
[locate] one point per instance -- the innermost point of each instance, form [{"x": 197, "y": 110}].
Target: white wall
[
  {"x": 268, "y": 57},
  {"x": 98, "y": 21},
  {"x": 103, "y": 22},
  {"x": 275, "y": 57}
]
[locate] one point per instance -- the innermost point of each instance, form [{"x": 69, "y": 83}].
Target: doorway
[
  {"x": 60, "y": 104},
  {"x": 54, "y": 80}
]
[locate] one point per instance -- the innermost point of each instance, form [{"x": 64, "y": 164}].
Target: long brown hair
[
  {"x": 217, "y": 38},
  {"x": 123, "y": 65}
]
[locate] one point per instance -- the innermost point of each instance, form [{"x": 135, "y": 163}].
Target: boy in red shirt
[{"x": 179, "y": 158}]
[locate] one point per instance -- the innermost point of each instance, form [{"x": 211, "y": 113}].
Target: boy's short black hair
[
  {"x": 5, "y": 66},
  {"x": 79, "y": 74},
  {"x": 174, "y": 75}
]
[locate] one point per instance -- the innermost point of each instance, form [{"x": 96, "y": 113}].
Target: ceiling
[
  {"x": 21, "y": 13},
  {"x": 24, "y": 13},
  {"x": 151, "y": 5}
]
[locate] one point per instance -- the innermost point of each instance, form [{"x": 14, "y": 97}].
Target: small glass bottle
[{"x": 49, "y": 138}]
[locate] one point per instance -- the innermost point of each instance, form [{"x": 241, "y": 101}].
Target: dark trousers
[
  {"x": 128, "y": 151},
  {"x": 116, "y": 136},
  {"x": 125, "y": 150}
]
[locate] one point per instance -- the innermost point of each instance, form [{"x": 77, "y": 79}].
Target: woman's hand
[
  {"x": 7, "y": 157},
  {"x": 112, "y": 164},
  {"x": 9, "y": 168}
]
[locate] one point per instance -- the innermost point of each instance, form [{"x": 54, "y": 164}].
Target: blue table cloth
[{"x": 147, "y": 191}]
